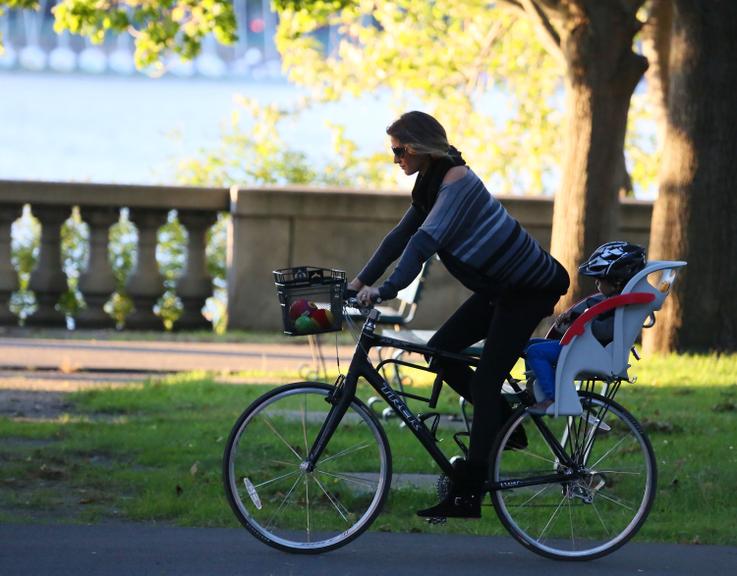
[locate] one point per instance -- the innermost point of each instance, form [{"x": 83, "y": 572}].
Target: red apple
[
  {"x": 299, "y": 307},
  {"x": 323, "y": 317}
]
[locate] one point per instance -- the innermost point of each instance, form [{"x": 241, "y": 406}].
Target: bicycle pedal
[{"x": 437, "y": 521}]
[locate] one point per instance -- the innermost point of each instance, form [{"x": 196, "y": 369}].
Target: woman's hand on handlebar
[
  {"x": 368, "y": 295},
  {"x": 362, "y": 295}
]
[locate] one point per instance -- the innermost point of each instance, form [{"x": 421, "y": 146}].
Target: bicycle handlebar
[{"x": 349, "y": 299}]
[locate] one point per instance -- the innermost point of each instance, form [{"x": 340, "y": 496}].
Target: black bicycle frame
[{"x": 360, "y": 365}]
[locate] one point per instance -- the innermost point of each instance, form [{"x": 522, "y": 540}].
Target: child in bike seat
[{"x": 611, "y": 265}]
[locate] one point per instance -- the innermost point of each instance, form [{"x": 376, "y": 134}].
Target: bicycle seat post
[{"x": 437, "y": 384}]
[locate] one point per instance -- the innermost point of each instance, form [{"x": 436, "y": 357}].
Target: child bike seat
[{"x": 583, "y": 356}]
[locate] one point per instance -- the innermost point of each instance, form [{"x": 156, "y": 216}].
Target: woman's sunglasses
[{"x": 399, "y": 151}]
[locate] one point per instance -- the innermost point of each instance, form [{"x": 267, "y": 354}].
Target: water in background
[
  {"x": 74, "y": 111},
  {"x": 133, "y": 129}
]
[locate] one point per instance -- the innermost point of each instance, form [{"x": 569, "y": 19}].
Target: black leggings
[{"x": 507, "y": 324}]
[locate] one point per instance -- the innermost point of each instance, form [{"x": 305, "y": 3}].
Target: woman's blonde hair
[{"x": 421, "y": 132}]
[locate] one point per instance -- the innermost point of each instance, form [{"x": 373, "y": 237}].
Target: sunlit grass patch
[{"x": 153, "y": 452}]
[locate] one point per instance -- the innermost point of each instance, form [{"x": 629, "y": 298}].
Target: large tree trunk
[
  {"x": 694, "y": 215},
  {"x": 601, "y": 77}
]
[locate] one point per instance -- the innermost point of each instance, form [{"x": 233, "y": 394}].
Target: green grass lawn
[{"x": 152, "y": 452}]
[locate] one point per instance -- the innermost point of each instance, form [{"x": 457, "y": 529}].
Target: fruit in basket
[
  {"x": 301, "y": 307},
  {"x": 323, "y": 317},
  {"x": 305, "y": 324}
]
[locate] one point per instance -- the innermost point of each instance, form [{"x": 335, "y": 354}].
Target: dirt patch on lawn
[{"x": 43, "y": 395}]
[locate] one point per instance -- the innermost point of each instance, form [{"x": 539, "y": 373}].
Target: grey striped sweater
[{"x": 475, "y": 237}]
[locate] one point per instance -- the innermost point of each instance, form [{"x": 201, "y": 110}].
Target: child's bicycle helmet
[{"x": 614, "y": 261}]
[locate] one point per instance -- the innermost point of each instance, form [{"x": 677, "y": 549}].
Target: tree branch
[
  {"x": 544, "y": 27},
  {"x": 491, "y": 37}
]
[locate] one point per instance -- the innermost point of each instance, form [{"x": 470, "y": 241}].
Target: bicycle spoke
[
  {"x": 269, "y": 523},
  {"x": 601, "y": 520},
  {"x": 345, "y": 452},
  {"x": 304, "y": 421},
  {"x": 285, "y": 509},
  {"x": 307, "y": 507},
  {"x": 616, "y": 501},
  {"x": 550, "y": 520},
  {"x": 287, "y": 475},
  {"x": 267, "y": 421},
  {"x": 570, "y": 520},
  {"x": 284, "y": 463},
  {"x": 349, "y": 478},
  {"x": 606, "y": 454},
  {"x": 535, "y": 495},
  {"x": 334, "y": 501},
  {"x": 531, "y": 454},
  {"x": 626, "y": 472},
  {"x": 589, "y": 512}
]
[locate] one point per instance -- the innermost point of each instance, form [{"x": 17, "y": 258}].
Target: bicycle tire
[
  {"x": 588, "y": 517},
  {"x": 281, "y": 503}
]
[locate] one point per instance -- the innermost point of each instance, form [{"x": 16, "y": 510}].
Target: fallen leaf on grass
[
  {"x": 661, "y": 426},
  {"x": 50, "y": 473}
]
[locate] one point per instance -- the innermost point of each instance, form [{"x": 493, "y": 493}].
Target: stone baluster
[
  {"x": 8, "y": 274},
  {"x": 146, "y": 284},
  {"x": 97, "y": 283},
  {"x": 195, "y": 285},
  {"x": 48, "y": 280}
]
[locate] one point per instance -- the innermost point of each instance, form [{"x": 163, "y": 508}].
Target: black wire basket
[{"x": 311, "y": 299}]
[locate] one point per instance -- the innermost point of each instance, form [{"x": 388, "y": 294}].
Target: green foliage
[
  {"x": 492, "y": 85},
  {"x": 170, "y": 253},
  {"x": 75, "y": 255},
  {"x": 123, "y": 239},
  {"x": 216, "y": 309},
  {"x": 475, "y": 65},
  {"x": 159, "y": 27},
  {"x": 252, "y": 151},
  {"x": 25, "y": 245}
]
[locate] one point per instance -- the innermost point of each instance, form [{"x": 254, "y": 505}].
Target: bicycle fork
[{"x": 340, "y": 399}]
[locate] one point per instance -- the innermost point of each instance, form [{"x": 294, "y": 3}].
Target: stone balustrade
[
  {"x": 99, "y": 207},
  {"x": 271, "y": 227}
]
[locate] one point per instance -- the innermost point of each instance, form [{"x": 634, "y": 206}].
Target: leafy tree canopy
[
  {"x": 157, "y": 26},
  {"x": 478, "y": 67}
]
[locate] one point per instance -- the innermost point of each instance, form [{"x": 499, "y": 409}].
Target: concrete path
[
  {"x": 126, "y": 549},
  {"x": 160, "y": 356},
  {"x": 36, "y": 374}
]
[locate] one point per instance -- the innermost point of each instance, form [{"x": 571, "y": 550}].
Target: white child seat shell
[{"x": 582, "y": 355}]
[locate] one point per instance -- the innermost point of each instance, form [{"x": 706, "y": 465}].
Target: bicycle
[{"x": 308, "y": 466}]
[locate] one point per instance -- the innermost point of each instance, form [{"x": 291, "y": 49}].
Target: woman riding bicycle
[{"x": 515, "y": 283}]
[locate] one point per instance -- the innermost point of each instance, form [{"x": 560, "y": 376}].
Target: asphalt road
[{"x": 141, "y": 550}]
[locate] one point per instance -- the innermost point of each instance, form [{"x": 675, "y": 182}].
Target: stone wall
[
  {"x": 272, "y": 227},
  {"x": 282, "y": 227}
]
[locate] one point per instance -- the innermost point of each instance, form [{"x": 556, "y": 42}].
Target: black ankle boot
[{"x": 464, "y": 496}]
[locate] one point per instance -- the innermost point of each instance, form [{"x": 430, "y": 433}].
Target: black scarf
[{"x": 427, "y": 185}]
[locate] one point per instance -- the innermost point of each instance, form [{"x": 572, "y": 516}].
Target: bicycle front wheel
[
  {"x": 603, "y": 494},
  {"x": 273, "y": 493}
]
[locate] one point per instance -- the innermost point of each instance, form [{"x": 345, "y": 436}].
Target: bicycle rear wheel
[
  {"x": 273, "y": 494},
  {"x": 600, "y": 501}
]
